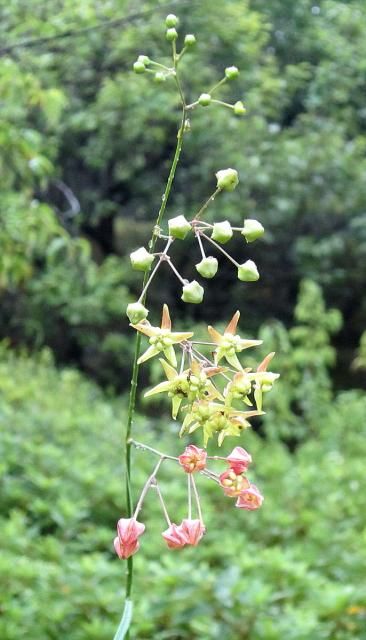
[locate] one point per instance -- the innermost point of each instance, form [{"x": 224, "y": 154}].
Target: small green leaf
[{"x": 124, "y": 625}]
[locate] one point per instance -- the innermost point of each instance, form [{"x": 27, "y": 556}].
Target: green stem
[
  {"x": 135, "y": 366},
  {"x": 205, "y": 205}
]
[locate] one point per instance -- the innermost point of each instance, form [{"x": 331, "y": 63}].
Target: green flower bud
[
  {"x": 159, "y": 77},
  {"x": 207, "y": 268},
  {"x": 227, "y": 179},
  {"x": 171, "y": 35},
  {"x": 231, "y": 73},
  {"x": 239, "y": 108},
  {"x": 171, "y": 20},
  {"x": 136, "y": 312},
  {"x": 192, "y": 292},
  {"x": 222, "y": 232},
  {"x": 189, "y": 40},
  {"x": 179, "y": 227},
  {"x": 204, "y": 100},
  {"x": 248, "y": 272},
  {"x": 252, "y": 230},
  {"x": 144, "y": 59},
  {"x": 139, "y": 67},
  {"x": 141, "y": 259}
]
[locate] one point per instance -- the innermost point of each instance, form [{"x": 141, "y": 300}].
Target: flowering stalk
[
  {"x": 209, "y": 394},
  {"x": 136, "y": 366}
]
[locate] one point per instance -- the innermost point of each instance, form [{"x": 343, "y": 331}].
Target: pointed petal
[
  {"x": 233, "y": 360},
  {"x": 170, "y": 355},
  {"x": 221, "y": 437},
  {"x": 194, "y": 427},
  {"x": 218, "y": 355},
  {"x": 180, "y": 336},
  {"x": 258, "y": 397},
  {"x": 247, "y": 401},
  {"x": 245, "y": 344},
  {"x": 215, "y": 335},
  {"x": 149, "y": 353},
  {"x": 213, "y": 371},
  {"x": 185, "y": 425},
  {"x": 159, "y": 388},
  {"x": 176, "y": 402},
  {"x": 231, "y": 327},
  {"x": 170, "y": 372},
  {"x": 146, "y": 329},
  {"x": 206, "y": 436},
  {"x": 264, "y": 364},
  {"x": 165, "y": 318},
  {"x": 247, "y": 414}
]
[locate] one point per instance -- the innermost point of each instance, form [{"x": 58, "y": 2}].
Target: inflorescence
[{"x": 210, "y": 390}]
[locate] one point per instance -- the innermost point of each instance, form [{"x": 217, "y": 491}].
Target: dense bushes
[{"x": 295, "y": 569}]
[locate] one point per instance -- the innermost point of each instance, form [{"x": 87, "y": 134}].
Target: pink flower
[
  {"x": 233, "y": 484},
  {"x": 174, "y": 536},
  {"x": 193, "y": 459},
  {"x": 126, "y": 543},
  {"x": 239, "y": 460},
  {"x": 250, "y": 498},
  {"x": 188, "y": 532},
  {"x": 193, "y": 531}
]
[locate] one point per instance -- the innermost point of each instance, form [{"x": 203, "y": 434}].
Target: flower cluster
[
  {"x": 179, "y": 227},
  {"x": 210, "y": 395},
  {"x": 161, "y": 73},
  {"x": 216, "y": 235},
  {"x": 190, "y": 531}
]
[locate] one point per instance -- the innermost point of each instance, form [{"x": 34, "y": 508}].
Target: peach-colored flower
[
  {"x": 193, "y": 459},
  {"x": 188, "y": 532},
  {"x": 239, "y": 460},
  {"x": 250, "y": 498},
  {"x": 193, "y": 530},
  {"x": 174, "y": 536},
  {"x": 126, "y": 543},
  {"x": 233, "y": 483}
]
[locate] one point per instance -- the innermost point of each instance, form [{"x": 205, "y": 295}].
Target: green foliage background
[{"x": 85, "y": 147}]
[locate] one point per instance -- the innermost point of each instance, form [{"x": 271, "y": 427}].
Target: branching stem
[{"x": 219, "y": 248}]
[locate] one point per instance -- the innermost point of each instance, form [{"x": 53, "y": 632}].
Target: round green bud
[
  {"x": 222, "y": 232},
  {"x": 171, "y": 35},
  {"x": 248, "y": 272},
  {"x": 204, "y": 100},
  {"x": 136, "y": 312},
  {"x": 179, "y": 227},
  {"x": 171, "y": 20},
  {"x": 144, "y": 59},
  {"x": 189, "y": 40},
  {"x": 192, "y": 292},
  {"x": 159, "y": 77},
  {"x": 139, "y": 67},
  {"x": 239, "y": 108},
  {"x": 141, "y": 259},
  {"x": 207, "y": 268},
  {"x": 231, "y": 73},
  {"x": 227, "y": 179},
  {"x": 252, "y": 230}
]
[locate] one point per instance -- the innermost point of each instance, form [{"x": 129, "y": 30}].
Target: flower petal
[
  {"x": 215, "y": 335},
  {"x": 264, "y": 364},
  {"x": 165, "y": 318},
  {"x": 149, "y": 353},
  {"x": 170, "y": 355},
  {"x": 231, "y": 327}
]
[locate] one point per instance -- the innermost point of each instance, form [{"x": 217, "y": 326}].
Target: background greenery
[{"x": 85, "y": 149}]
